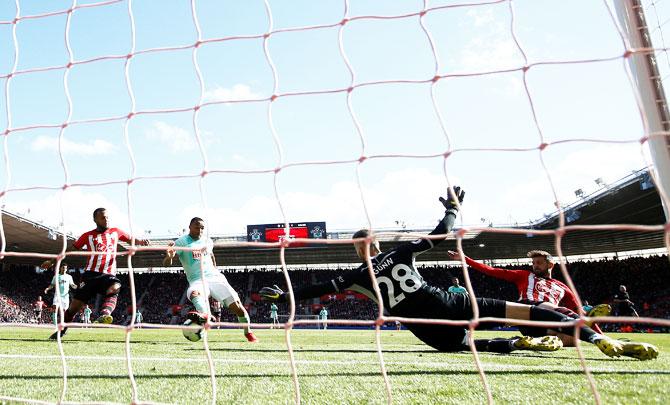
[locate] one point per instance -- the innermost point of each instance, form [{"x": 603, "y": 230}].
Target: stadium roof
[{"x": 632, "y": 200}]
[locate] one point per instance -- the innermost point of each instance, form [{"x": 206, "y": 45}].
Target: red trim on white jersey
[{"x": 105, "y": 242}]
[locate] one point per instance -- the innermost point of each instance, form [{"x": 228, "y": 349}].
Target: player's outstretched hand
[
  {"x": 46, "y": 264},
  {"x": 273, "y": 293},
  {"x": 454, "y": 199},
  {"x": 454, "y": 255},
  {"x": 170, "y": 252}
]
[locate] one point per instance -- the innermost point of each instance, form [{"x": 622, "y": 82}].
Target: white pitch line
[{"x": 253, "y": 361}]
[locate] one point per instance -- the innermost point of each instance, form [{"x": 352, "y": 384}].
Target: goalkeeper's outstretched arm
[
  {"x": 340, "y": 283},
  {"x": 451, "y": 204}
]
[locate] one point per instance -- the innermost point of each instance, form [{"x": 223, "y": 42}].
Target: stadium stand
[{"x": 161, "y": 299}]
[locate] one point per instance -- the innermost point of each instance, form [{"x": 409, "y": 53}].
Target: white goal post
[{"x": 649, "y": 86}]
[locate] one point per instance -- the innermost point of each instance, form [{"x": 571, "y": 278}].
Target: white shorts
[
  {"x": 219, "y": 288},
  {"x": 273, "y": 315},
  {"x": 64, "y": 301}
]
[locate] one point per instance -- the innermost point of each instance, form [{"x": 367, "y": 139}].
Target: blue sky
[{"x": 586, "y": 101}]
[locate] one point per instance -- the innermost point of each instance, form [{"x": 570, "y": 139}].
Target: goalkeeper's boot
[
  {"x": 54, "y": 335},
  {"x": 540, "y": 344},
  {"x": 609, "y": 346},
  {"x": 598, "y": 310},
  {"x": 104, "y": 319},
  {"x": 251, "y": 337},
  {"x": 197, "y": 317},
  {"x": 640, "y": 351}
]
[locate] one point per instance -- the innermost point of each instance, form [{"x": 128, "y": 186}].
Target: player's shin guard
[{"x": 540, "y": 314}]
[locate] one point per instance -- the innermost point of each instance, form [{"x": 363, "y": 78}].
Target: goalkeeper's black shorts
[{"x": 435, "y": 303}]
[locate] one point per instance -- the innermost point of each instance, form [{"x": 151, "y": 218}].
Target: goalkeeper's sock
[
  {"x": 53, "y": 317},
  {"x": 494, "y": 345},
  {"x": 200, "y": 304},
  {"x": 244, "y": 320},
  {"x": 541, "y": 314}
]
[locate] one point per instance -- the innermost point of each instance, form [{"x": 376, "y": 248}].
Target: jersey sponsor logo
[
  {"x": 198, "y": 254},
  {"x": 104, "y": 247},
  {"x": 552, "y": 290}
]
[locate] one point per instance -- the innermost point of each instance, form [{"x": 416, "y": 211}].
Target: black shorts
[
  {"x": 438, "y": 304},
  {"x": 538, "y": 331},
  {"x": 93, "y": 283}
]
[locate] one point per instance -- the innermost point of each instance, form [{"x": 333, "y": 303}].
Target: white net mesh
[{"x": 407, "y": 83}]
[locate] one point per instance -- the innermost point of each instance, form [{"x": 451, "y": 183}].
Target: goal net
[{"x": 357, "y": 112}]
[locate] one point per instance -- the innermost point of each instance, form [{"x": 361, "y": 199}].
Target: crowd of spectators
[{"x": 161, "y": 296}]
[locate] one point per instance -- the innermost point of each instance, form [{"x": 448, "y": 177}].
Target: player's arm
[
  {"x": 123, "y": 236},
  {"x": 46, "y": 290},
  {"x": 451, "y": 204},
  {"x": 169, "y": 255},
  {"x": 76, "y": 246},
  {"x": 508, "y": 275},
  {"x": 337, "y": 284},
  {"x": 213, "y": 259}
]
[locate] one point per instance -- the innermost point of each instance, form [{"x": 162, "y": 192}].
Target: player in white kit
[{"x": 61, "y": 298}]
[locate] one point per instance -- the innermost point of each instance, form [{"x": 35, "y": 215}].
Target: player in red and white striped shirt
[
  {"x": 100, "y": 273},
  {"x": 536, "y": 287}
]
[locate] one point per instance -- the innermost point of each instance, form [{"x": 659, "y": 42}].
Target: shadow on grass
[
  {"x": 299, "y": 350},
  {"x": 77, "y": 340},
  {"x": 340, "y": 374}
]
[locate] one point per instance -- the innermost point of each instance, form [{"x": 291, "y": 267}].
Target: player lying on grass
[
  {"x": 406, "y": 294},
  {"x": 218, "y": 287},
  {"x": 100, "y": 274},
  {"x": 537, "y": 287}
]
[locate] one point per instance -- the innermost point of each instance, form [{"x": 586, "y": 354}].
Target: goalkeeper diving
[{"x": 406, "y": 294}]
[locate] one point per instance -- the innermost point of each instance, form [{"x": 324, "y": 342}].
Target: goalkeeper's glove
[
  {"x": 453, "y": 198},
  {"x": 273, "y": 293}
]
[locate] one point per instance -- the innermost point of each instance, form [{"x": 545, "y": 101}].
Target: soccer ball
[{"x": 190, "y": 334}]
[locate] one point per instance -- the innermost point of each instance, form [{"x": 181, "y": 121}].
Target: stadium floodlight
[
  {"x": 646, "y": 183},
  {"x": 579, "y": 193},
  {"x": 599, "y": 181},
  {"x": 572, "y": 216}
]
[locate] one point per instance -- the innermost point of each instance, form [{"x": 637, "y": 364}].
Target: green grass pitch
[{"x": 333, "y": 367}]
